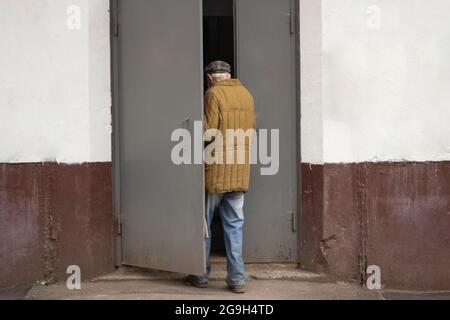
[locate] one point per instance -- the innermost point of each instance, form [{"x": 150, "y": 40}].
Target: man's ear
[{"x": 210, "y": 78}]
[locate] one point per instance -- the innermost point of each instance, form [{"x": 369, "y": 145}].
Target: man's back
[{"x": 229, "y": 106}]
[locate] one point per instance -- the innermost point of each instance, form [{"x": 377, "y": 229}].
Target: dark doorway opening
[
  {"x": 218, "y": 44},
  {"x": 218, "y": 32}
]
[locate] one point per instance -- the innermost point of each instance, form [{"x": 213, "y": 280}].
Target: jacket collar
[{"x": 229, "y": 82}]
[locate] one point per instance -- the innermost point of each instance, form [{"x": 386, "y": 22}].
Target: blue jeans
[{"x": 230, "y": 206}]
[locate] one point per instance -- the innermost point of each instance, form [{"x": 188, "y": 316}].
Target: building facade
[{"x": 375, "y": 147}]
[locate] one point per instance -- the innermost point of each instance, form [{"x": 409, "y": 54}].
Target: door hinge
[
  {"x": 119, "y": 225},
  {"x": 115, "y": 22},
  {"x": 294, "y": 221},
  {"x": 292, "y": 23}
]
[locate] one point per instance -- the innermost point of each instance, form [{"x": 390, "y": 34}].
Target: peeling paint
[
  {"x": 325, "y": 245},
  {"x": 46, "y": 211}
]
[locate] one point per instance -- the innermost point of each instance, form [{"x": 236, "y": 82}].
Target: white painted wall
[
  {"x": 367, "y": 94},
  {"x": 385, "y": 92},
  {"x": 55, "y": 100},
  {"x": 311, "y": 81}
]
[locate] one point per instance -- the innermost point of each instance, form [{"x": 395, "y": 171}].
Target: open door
[
  {"x": 160, "y": 89},
  {"x": 266, "y": 64}
]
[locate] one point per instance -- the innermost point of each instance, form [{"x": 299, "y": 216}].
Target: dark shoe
[
  {"x": 237, "y": 288},
  {"x": 196, "y": 282}
]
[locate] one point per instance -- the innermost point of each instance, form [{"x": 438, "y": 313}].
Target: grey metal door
[
  {"x": 265, "y": 32},
  {"x": 160, "y": 89}
]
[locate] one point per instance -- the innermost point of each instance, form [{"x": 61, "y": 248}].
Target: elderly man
[{"x": 229, "y": 106}]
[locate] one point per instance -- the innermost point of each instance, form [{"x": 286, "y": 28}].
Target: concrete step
[{"x": 289, "y": 272}]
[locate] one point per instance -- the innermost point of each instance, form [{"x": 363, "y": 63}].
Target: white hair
[{"x": 220, "y": 76}]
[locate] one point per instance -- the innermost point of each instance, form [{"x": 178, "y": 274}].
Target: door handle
[{"x": 187, "y": 123}]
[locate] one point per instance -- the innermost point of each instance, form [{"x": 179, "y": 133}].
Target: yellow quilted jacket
[{"x": 229, "y": 105}]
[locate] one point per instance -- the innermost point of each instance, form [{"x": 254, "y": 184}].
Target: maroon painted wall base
[
  {"x": 394, "y": 215},
  {"x": 53, "y": 216}
]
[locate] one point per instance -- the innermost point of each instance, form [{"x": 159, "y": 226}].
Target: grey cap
[{"x": 218, "y": 67}]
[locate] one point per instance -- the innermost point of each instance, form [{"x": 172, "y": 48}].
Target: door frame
[
  {"x": 115, "y": 136},
  {"x": 298, "y": 107}
]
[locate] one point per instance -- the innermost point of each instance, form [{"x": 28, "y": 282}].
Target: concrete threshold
[{"x": 289, "y": 272}]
